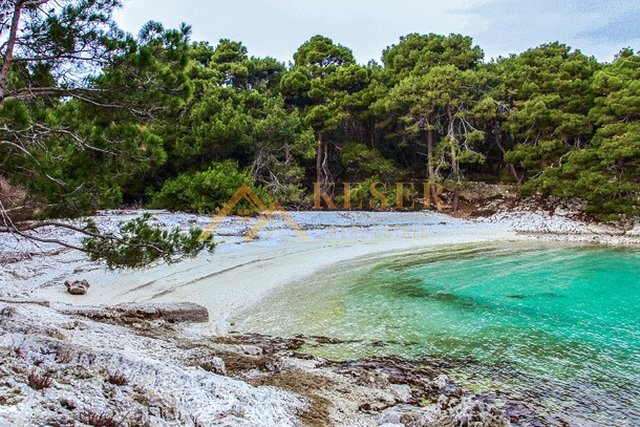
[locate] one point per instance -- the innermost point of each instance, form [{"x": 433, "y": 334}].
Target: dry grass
[
  {"x": 19, "y": 351},
  {"x": 64, "y": 355},
  {"x": 39, "y": 381},
  {"x": 99, "y": 419},
  {"x": 118, "y": 378}
]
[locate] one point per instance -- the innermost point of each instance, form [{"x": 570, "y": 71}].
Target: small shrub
[
  {"x": 197, "y": 422},
  {"x": 118, "y": 378},
  {"x": 19, "y": 351},
  {"x": 99, "y": 419},
  {"x": 68, "y": 404},
  {"x": 7, "y": 312},
  {"x": 39, "y": 381},
  {"x": 207, "y": 191},
  {"x": 64, "y": 355}
]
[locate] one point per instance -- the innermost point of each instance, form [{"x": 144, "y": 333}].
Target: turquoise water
[{"x": 556, "y": 326}]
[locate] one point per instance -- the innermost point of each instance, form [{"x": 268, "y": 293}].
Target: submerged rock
[
  {"x": 77, "y": 287},
  {"x": 471, "y": 411},
  {"x": 400, "y": 415}
]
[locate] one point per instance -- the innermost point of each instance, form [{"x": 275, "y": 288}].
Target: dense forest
[{"x": 92, "y": 117}]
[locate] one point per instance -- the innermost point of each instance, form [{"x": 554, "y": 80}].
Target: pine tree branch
[{"x": 22, "y": 229}]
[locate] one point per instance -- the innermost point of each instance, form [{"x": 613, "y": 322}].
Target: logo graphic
[{"x": 265, "y": 214}]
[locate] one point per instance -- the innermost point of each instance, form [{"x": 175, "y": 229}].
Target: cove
[{"x": 555, "y": 325}]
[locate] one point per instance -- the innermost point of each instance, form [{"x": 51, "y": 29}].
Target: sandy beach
[{"x": 239, "y": 274}]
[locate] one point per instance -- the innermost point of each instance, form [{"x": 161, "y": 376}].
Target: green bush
[{"x": 207, "y": 191}]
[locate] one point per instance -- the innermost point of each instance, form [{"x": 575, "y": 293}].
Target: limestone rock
[
  {"x": 635, "y": 230},
  {"x": 130, "y": 313},
  {"x": 77, "y": 287},
  {"x": 401, "y": 415},
  {"x": 250, "y": 350},
  {"x": 215, "y": 365},
  {"x": 479, "y": 191}
]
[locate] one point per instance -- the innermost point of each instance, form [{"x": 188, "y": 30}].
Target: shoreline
[
  {"x": 268, "y": 378},
  {"x": 240, "y": 274}
]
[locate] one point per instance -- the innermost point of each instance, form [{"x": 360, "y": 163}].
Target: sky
[{"x": 277, "y": 28}]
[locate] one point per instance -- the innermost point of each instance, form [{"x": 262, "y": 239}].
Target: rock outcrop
[
  {"x": 77, "y": 287},
  {"x": 135, "y": 313}
]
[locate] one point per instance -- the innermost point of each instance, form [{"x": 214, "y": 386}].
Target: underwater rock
[{"x": 473, "y": 411}]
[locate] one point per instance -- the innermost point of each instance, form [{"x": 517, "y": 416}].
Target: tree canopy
[{"x": 92, "y": 117}]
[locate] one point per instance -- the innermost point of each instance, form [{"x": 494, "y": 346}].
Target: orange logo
[{"x": 265, "y": 214}]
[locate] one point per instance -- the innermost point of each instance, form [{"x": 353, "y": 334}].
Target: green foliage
[
  {"x": 85, "y": 153},
  {"x": 415, "y": 54},
  {"x": 605, "y": 173},
  {"x": 535, "y": 158},
  {"x": 375, "y": 193},
  {"x": 236, "y": 113},
  {"x": 138, "y": 244},
  {"x": 362, "y": 162},
  {"x": 166, "y": 122},
  {"x": 550, "y": 91},
  {"x": 323, "y": 73},
  {"x": 326, "y": 86},
  {"x": 320, "y": 56},
  {"x": 16, "y": 113},
  {"x": 281, "y": 146},
  {"x": 204, "y": 192}
]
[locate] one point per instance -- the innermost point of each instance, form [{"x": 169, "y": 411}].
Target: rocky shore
[{"x": 68, "y": 367}]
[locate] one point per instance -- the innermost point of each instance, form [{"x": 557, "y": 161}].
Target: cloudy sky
[{"x": 277, "y": 27}]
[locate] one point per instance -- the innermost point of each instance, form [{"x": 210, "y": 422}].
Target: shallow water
[{"x": 554, "y": 325}]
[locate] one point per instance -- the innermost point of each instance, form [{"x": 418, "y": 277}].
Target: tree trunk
[
  {"x": 325, "y": 166},
  {"x": 8, "y": 54},
  {"x": 319, "y": 153},
  {"x": 430, "y": 169},
  {"x": 512, "y": 168},
  {"x": 455, "y": 171},
  {"x": 322, "y": 170},
  {"x": 455, "y": 168}
]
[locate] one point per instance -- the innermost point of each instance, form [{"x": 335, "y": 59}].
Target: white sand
[{"x": 239, "y": 273}]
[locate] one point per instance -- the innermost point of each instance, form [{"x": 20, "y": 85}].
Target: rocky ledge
[
  {"x": 136, "y": 364},
  {"x": 140, "y": 313}
]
